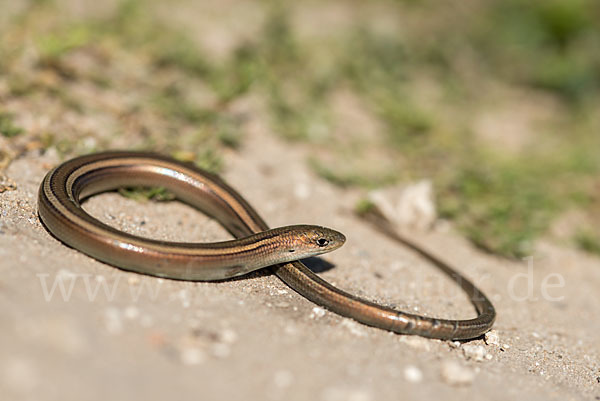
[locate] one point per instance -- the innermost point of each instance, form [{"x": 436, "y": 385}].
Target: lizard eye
[{"x": 322, "y": 242}]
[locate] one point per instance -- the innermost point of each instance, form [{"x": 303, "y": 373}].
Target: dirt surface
[{"x": 120, "y": 335}]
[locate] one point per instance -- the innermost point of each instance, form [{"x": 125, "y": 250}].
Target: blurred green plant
[
  {"x": 54, "y": 45},
  {"x": 588, "y": 241},
  {"x": 350, "y": 176},
  {"x": 143, "y": 194},
  {"x": 364, "y": 206},
  {"x": 502, "y": 208},
  {"x": 549, "y": 44},
  {"x": 501, "y": 202},
  {"x": 7, "y": 127}
]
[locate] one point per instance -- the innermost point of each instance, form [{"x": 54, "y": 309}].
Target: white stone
[
  {"x": 413, "y": 374},
  {"x": 475, "y": 352},
  {"x": 192, "y": 356},
  {"x": 113, "y": 321},
  {"x": 410, "y": 206},
  {"x": 228, "y": 336},
  {"x": 131, "y": 312},
  {"x": 491, "y": 338},
  {"x": 317, "y": 312},
  {"x": 456, "y": 374}
]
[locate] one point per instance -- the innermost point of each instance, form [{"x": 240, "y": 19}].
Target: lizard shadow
[{"x": 314, "y": 263}]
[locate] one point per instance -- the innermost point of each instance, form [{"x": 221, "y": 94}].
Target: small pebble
[
  {"x": 475, "y": 352},
  {"x": 131, "y": 312},
  {"x": 456, "y": 374},
  {"x": 491, "y": 338},
  {"x": 228, "y": 336},
  {"x": 65, "y": 274},
  {"x": 112, "y": 321},
  {"x": 290, "y": 330},
  {"x": 317, "y": 312},
  {"x": 302, "y": 191},
  {"x": 192, "y": 356},
  {"x": 412, "y": 205},
  {"x": 413, "y": 374}
]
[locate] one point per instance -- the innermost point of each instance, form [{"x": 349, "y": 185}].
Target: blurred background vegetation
[{"x": 496, "y": 101}]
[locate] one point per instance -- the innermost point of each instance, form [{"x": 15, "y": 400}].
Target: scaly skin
[{"x": 256, "y": 245}]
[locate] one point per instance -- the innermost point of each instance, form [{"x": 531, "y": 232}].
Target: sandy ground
[{"x": 118, "y": 335}]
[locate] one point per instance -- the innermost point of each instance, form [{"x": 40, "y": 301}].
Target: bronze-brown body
[{"x": 257, "y": 246}]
